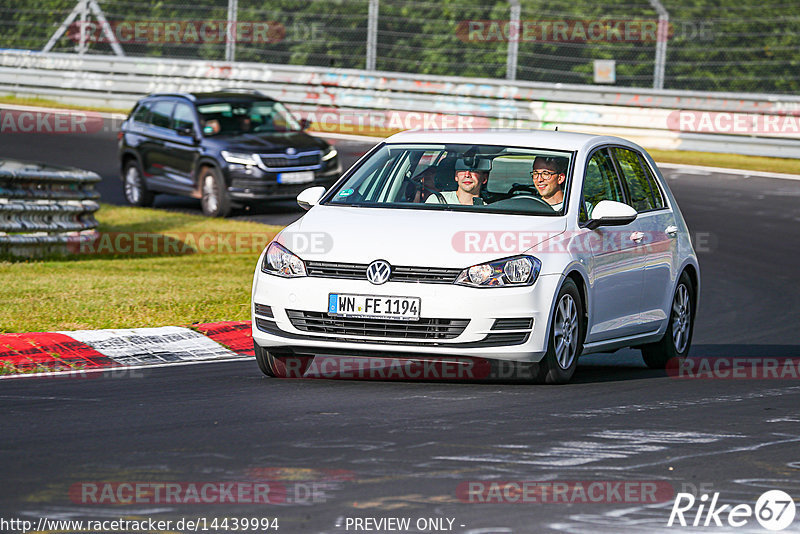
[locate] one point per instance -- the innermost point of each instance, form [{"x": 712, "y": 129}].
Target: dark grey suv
[{"x": 226, "y": 148}]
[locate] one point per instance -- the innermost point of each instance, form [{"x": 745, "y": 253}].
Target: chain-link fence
[{"x": 712, "y": 45}]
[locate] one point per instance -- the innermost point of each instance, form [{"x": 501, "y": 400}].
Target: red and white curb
[{"x": 81, "y": 351}]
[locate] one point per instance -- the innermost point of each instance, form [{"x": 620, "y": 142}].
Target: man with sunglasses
[{"x": 549, "y": 174}]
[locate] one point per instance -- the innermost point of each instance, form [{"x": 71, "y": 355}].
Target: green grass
[
  {"x": 47, "y": 103},
  {"x": 126, "y": 291}
]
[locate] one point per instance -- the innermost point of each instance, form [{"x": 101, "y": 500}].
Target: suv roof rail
[
  {"x": 180, "y": 95},
  {"x": 241, "y": 90}
]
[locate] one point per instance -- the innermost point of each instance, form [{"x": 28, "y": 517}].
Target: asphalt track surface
[{"x": 402, "y": 449}]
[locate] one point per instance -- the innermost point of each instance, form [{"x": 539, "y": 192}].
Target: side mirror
[
  {"x": 188, "y": 132},
  {"x": 309, "y": 198},
  {"x": 611, "y": 213},
  {"x": 305, "y": 124}
]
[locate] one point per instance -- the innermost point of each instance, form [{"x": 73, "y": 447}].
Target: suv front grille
[
  {"x": 320, "y": 322},
  {"x": 280, "y": 161},
  {"x": 358, "y": 271}
]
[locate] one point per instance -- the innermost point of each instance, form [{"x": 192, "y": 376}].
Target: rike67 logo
[{"x": 774, "y": 510}]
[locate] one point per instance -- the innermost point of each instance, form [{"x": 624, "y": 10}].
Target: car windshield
[
  {"x": 460, "y": 177},
  {"x": 233, "y": 118}
]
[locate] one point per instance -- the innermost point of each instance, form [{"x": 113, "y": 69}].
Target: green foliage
[{"x": 718, "y": 45}]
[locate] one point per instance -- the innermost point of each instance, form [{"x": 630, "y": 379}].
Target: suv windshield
[
  {"x": 231, "y": 118},
  {"x": 461, "y": 177}
]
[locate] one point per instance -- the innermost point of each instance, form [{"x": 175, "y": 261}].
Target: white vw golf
[{"x": 531, "y": 247}]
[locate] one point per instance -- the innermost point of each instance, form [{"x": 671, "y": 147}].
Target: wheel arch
[
  {"x": 694, "y": 276},
  {"x": 202, "y": 165}
]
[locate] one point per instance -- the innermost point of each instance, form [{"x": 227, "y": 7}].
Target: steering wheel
[
  {"x": 439, "y": 196},
  {"x": 534, "y": 194},
  {"x": 419, "y": 185}
]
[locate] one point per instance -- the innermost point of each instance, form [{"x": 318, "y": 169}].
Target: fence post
[
  {"x": 513, "y": 41},
  {"x": 662, "y": 34},
  {"x": 230, "y": 34},
  {"x": 372, "y": 34}
]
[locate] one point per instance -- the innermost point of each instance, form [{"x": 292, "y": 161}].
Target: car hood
[
  {"x": 272, "y": 141},
  {"x": 415, "y": 237}
]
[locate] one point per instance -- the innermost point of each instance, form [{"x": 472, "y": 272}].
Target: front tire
[
  {"x": 136, "y": 192},
  {"x": 214, "y": 194},
  {"x": 565, "y": 341},
  {"x": 677, "y": 339}
]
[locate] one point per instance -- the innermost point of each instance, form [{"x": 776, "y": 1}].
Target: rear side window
[
  {"x": 644, "y": 194},
  {"x": 600, "y": 183},
  {"x": 161, "y": 114}
]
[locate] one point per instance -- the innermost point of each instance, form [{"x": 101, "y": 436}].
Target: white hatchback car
[{"x": 526, "y": 246}]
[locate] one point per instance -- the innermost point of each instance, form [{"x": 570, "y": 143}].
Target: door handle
[
  {"x": 637, "y": 237},
  {"x": 671, "y": 231}
]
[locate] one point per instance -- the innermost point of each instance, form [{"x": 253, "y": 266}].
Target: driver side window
[{"x": 599, "y": 183}]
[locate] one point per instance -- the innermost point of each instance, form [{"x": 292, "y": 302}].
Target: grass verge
[{"x": 197, "y": 281}]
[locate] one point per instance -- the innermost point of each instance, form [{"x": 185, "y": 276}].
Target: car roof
[
  {"x": 226, "y": 95},
  {"x": 568, "y": 141}
]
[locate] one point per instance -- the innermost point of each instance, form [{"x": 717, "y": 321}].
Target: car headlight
[
  {"x": 281, "y": 262},
  {"x": 329, "y": 154},
  {"x": 241, "y": 158},
  {"x": 516, "y": 271}
]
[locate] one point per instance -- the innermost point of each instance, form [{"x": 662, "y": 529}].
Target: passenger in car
[
  {"x": 211, "y": 127},
  {"x": 470, "y": 180},
  {"x": 549, "y": 174},
  {"x": 427, "y": 181}
]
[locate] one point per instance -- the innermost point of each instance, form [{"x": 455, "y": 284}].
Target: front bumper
[
  {"x": 251, "y": 183},
  {"x": 480, "y": 338}
]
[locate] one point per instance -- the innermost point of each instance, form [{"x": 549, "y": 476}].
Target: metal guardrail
[
  {"x": 45, "y": 210},
  {"x": 644, "y": 115}
]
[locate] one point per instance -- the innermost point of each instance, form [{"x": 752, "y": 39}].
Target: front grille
[
  {"x": 358, "y": 271},
  {"x": 492, "y": 340},
  {"x": 260, "y": 187},
  {"x": 275, "y": 161},
  {"x": 320, "y": 322},
  {"x": 513, "y": 324}
]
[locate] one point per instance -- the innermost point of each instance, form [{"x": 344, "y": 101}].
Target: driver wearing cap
[{"x": 470, "y": 179}]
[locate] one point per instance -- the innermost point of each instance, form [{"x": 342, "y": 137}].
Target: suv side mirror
[
  {"x": 188, "y": 131},
  {"x": 611, "y": 213},
  {"x": 310, "y": 197}
]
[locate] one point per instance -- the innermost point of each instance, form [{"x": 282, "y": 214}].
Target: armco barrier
[
  {"x": 45, "y": 209},
  {"x": 755, "y": 124}
]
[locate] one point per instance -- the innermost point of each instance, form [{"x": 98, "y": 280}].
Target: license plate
[
  {"x": 372, "y": 306},
  {"x": 301, "y": 177}
]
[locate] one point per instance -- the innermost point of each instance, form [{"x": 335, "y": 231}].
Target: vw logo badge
[
  {"x": 378, "y": 272},
  {"x": 290, "y": 151}
]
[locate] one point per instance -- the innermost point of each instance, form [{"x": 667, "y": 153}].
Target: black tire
[
  {"x": 214, "y": 196},
  {"x": 565, "y": 341},
  {"x": 265, "y": 361},
  {"x": 676, "y": 343},
  {"x": 133, "y": 186}
]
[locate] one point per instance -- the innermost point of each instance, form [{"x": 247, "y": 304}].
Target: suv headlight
[
  {"x": 516, "y": 271},
  {"x": 281, "y": 262},
  {"x": 329, "y": 154},
  {"x": 240, "y": 158}
]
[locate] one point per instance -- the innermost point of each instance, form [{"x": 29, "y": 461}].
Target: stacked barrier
[{"x": 45, "y": 210}]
